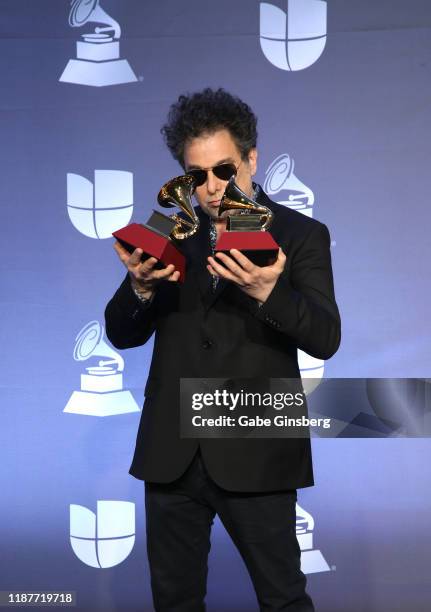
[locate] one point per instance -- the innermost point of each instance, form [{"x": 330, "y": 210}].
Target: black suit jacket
[{"x": 200, "y": 333}]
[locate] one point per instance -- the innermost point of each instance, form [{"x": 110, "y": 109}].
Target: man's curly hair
[{"x": 205, "y": 112}]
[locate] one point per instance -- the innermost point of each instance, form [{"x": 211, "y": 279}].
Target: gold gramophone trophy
[
  {"x": 161, "y": 235},
  {"x": 246, "y": 227}
]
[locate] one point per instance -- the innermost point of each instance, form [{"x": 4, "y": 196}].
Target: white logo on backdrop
[
  {"x": 295, "y": 39},
  {"x": 312, "y": 561},
  {"x": 98, "y": 60},
  {"x": 280, "y": 181},
  {"x": 102, "y": 392},
  {"x": 104, "y": 539},
  {"x": 98, "y": 209},
  {"x": 283, "y": 186}
]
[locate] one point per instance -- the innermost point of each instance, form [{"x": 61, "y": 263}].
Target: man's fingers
[
  {"x": 164, "y": 273},
  {"x": 174, "y": 277},
  {"x": 281, "y": 258},
  {"x": 242, "y": 260},
  {"x": 119, "y": 248},
  {"x": 135, "y": 257},
  {"x": 144, "y": 272},
  {"x": 221, "y": 270},
  {"x": 212, "y": 271},
  {"x": 122, "y": 253},
  {"x": 230, "y": 264},
  {"x": 148, "y": 265},
  {"x": 154, "y": 276}
]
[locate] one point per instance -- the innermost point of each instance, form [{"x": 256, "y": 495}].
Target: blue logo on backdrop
[
  {"x": 102, "y": 392},
  {"x": 98, "y": 60},
  {"x": 104, "y": 539},
  {"x": 295, "y": 39},
  {"x": 98, "y": 209}
]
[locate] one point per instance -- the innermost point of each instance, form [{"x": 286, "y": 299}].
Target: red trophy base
[
  {"x": 137, "y": 236},
  {"x": 259, "y": 247}
]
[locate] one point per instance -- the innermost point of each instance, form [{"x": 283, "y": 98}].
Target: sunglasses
[{"x": 222, "y": 171}]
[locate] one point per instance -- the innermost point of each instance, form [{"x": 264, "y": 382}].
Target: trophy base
[
  {"x": 259, "y": 247},
  {"x": 312, "y": 562},
  {"x": 98, "y": 52},
  {"x": 102, "y": 384},
  {"x": 101, "y": 404},
  {"x": 153, "y": 244},
  {"x": 98, "y": 74}
]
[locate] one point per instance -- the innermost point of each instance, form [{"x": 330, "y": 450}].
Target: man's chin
[
  {"x": 213, "y": 214},
  {"x": 220, "y": 218}
]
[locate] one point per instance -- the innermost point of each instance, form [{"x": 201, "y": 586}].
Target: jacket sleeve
[
  {"x": 129, "y": 322},
  {"x": 302, "y": 304}
]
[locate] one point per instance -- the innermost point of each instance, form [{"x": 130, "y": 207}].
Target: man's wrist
[
  {"x": 143, "y": 293},
  {"x": 263, "y": 294}
]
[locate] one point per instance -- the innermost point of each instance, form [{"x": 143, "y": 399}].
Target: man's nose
[{"x": 213, "y": 183}]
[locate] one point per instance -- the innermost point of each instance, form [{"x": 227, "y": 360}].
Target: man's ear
[{"x": 252, "y": 161}]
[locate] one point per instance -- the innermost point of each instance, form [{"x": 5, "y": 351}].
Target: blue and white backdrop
[{"x": 342, "y": 92}]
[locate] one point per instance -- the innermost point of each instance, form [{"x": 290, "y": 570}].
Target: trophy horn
[
  {"x": 178, "y": 192},
  {"x": 235, "y": 199},
  {"x": 89, "y": 11}
]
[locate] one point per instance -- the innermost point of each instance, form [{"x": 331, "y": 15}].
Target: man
[{"x": 229, "y": 319}]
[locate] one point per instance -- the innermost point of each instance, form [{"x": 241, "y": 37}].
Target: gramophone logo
[
  {"x": 312, "y": 560},
  {"x": 106, "y": 538},
  {"x": 98, "y": 209},
  {"x": 280, "y": 181},
  {"x": 102, "y": 392},
  {"x": 283, "y": 186},
  {"x": 97, "y": 60},
  {"x": 295, "y": 39}
]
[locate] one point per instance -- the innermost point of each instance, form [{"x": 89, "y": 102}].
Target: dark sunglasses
[{"x": 222, "y": 171}]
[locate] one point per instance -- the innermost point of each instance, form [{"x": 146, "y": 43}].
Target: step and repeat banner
[{"x": 342, "y": 91}]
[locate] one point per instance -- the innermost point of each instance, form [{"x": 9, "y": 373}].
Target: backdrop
[{"x": 342, "y": 93}]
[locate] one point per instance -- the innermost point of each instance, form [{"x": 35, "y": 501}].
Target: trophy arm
[
  {"x": 178, "y": 192},
  {"x": 268, "y": 220},
  {"x": 178, "y": 231},
  {"x": 235, "y": 199},
  {"x": 101, "y": 16}
]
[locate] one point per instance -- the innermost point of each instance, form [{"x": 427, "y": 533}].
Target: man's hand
[
  {"x": 255, "y": 281},
  {"x": 143, "y": 276}
]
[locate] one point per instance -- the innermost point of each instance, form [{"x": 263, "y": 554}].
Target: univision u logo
[
  {"x": 295, "y": 39},
  {"x": 106, "y": 538},
  {"x": 98, "y": 208}
]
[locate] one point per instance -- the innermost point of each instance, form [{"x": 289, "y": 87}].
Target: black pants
[{"x": 262, "y": 526}]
